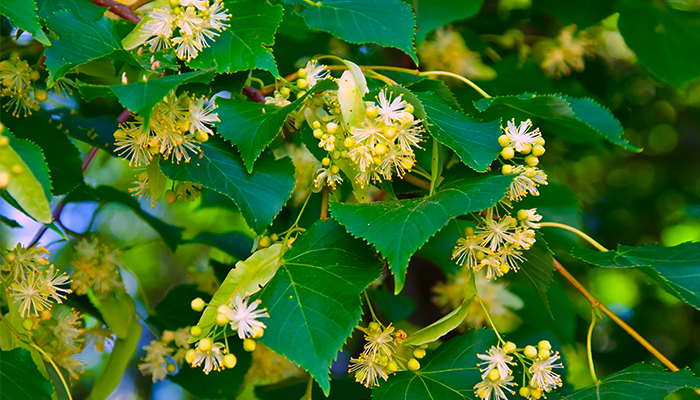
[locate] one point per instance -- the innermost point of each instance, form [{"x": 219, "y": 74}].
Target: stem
[
  {"x": 253, "y": 94},
  {"x": 382, "y": 78},
  {"x": 324, "y": 203},
  {"x": 460, "y": 77},
  {"x": 488, "y": 317},
  {"x": 434, "y": 167},
  {"x": 576, "y": 231},
  {"x": 416, "y": 181},
  {"x": 120, "y": 9},
  {"x": 309, "y": 388},
  {"x": 138, "y": 4},
  {"x": 296, "y": 223},
  {"x": 371, "y": 310},
  {"x": 596, "y": 303},
  {"x": 591, "y": 366},
  {"x": 316, "y": 4}
]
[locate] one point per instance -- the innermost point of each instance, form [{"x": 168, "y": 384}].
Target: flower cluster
[
  {"x": 378, "y": 360},
  {"x": 242, "y": 318},
  {"x": 96, "y": 268},
  {"x": 447, "y": 51},
  {"x": 498, "y": 242},
  {"x": 187, "y": 25},
  {"x": 177, "y": 124},
  {"x": 18, "y": 79},
  {"x": 567, "y": 54},
  {"x": 165, "y": 356},
  {"x": 35, "y": 283},
  {"x": 497, "y": 375}
]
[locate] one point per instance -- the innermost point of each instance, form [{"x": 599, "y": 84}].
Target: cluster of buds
[
  {"x": 18, "y": 79},
  {"x": 237, "y": 315},
  {"x": 96, "y": 268},
  {"x": 498, "y": 242},
  {"x": 537, "y": 363}
]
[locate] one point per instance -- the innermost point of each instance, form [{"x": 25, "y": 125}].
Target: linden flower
[
  {"x": 368, "y": 370},
  {"x": 529, "y": 218},
  {"x": 244, "y": 317},
  {"x": 512, "y": 257},
  {"x": 467, "y": 249},
  {"x": 31, "y": 294},
  {"x": 314, "y": 72},
  {"x": 68, "y": 331},
  {"x": 494, "y": 266},
  {"x": 396, "y": 160},
  {"x": 408, "y": 135},
  {"x": 201, "y": 116},
  {"x": 542, "y": 375},
  {"x": 527, "y": 181},
  {"x": 326, "y": 176},
  {"x": 494, "y": 389},
  {"x": 53, "y": 284},
  {"x": 524, "y": 238},
  {"x": 21, "y": 261},
  {"x": 496, "y": 232},
  {"x": 379, "y": 342},
  {"x": 362, "y": 156},
  {"x": 278, "y": 100},
  {"x": 211, "y": 358},
  {"x": 521, "y": 138},
  {"x": 396, "y": 109}
]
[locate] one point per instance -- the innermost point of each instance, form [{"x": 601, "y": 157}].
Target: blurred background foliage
[{"x": 616, "y": 195}]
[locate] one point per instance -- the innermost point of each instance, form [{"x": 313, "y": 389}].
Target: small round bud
[
  {"x": 510, "y": 347},
  {"x": 284, "y": 92},
  {"x": 318, "y": 134},
  {"x": 525, "y": 392},
  {"x": 326, "y": 161},
  {"x": 526, "y": 149},
  {"x": 174, "y": 3},
  {"x": 249, "y": 345},
  {"x": 331, "y": 127},
  {"x": 201, "y": 136},
  {"x": 507, "y": 169},
  {"x": 258, "y": 331},
  {"x": 380, "y": 149},
  {"x": 540, "y": 141},
  {"x": 35, "y": 75},
  {"x": 504, "y": 268},
  {"x": 335, "y": 155},
  {"x": 469, "y": 231},
  {"x": 221, "y": 319},
  {"x": 198, "y": 304},
  {"x": 532, "y": 161},
  {"x": 494, "y": 375},
  {"x": 522, "y": 215},
  {"x": 391, "y": 366},
  {"x": 480, "y": 255},
  {"x": 316, "y": 125},
  {"x": 371, "y": 112},
  {"x": 418, "y": 353},
  {"x": 390, "y": 132},
  {"x": 40, "y": 95},
  {"x": 27, "y": 324},
  {"x": 204, "y": 345},
  {"x": 189, "y": 356},
  {"x": 530, "y": 352},
  {"x": 264, "y": 242},
  {"x": 543, "y": 353},
  {"x": 301, "y": 73},
  {"x": 171, "y": 368},
  {"x": 413, "y": 364},
  {"x": 335, "y": 169},
  {"x": 302, "y": 84},
  {"x": 274, "y": 237},
  {"x": 410, "y": 108},
  {"x": 183, "y": 125},
  {"x": 195, "y": 331},
  {"x": 4, "y": 179},
  {"x": 507, "y": 153},
  {"x": 535, "y": 393},
  {"x": 170, "y": 196},
  {"x": 349, "y": 142},
  {"x": 230, "y": 361},
  {"x": 223, "y": 309},
  {"x": 344, "y": 154},
  {"x": 530, "y": 173},
  {"x": 373, "y": 326},
  {"x": 538, "y": 150},
  {"x": 384, "y": 359},
  {"x": 503, "y": 141},
  {"x": 544, "y": 344}
]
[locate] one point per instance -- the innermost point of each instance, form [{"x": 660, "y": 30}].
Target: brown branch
[
  {"x": 120, "y": 9},
  {"x": 138, "y": 4},
  {"x": 253, "y": 94}
]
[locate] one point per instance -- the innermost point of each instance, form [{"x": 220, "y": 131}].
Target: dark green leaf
[
  {"x": 397, "y": 229},
  {"x": 432, "y": 14},
  {"x": 119, "y": 313},
  {"x": 79, "y": 41},
  {"x": 539, "y": 268},
  {"x": 260, "y": 196},
  {"x": 236, "y": 244},
  {"x": 640, "y": 381},
  {"x": 561, "y": 322},
  {"x": 22, "y": 14},
  {"x": 225, "y": 384},
  {"x": 666, "y": 41},
  {"x": 447, "y": 374},
  {"x": 83, "y": 8},
  {"x": 171, "y": 234},
  {"x": 61, "y": 155},
  {"x": 246, "y": 43},
  {"x": 474, "y": 141},
  {"x": 676, "y": 269},
  {"x": 9, "y": 222},
  {"x": 385, "y": 22},
  {"x": 396, "y": 308},
  {"x": 343, "y": 388},
  {"x": 437, "y": 87},
  {"x": 583, "y": 14},
  {"x": 556, "y": 203},
  {"x": 579, "y": 120},
  {"x": 97, "y": 131},
  {"x": 314, "y": 300},
  {"x": 174, "y": 311},
  {"x": 21, "y": 379},
  {"x": 252, "y": 126}
]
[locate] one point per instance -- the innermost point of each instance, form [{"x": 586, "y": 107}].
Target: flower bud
[
  {"x": 284, "y": 92},
  {"x": 525, "y": 392},
  {"x": 371, "y": 112},
  {"x": 413, "y": 364},
  {"x": 535, "y": 393},
  {"x": 503, "y": 141},
  {"x": 302, "y": 84},
  {"x": 538, "y": 150},
  {"x": 380, "y": 149},
  {"x": 40, "y": 95},
  {"x": 469, "y": 231},
  {"x": 201, "y": 136},
  {"x": 198, "y": 304},
  {"x": 230, "y": 361},
  {"x": 249, "y": 345},
  {"x": 189, "y": 356},
  {"x": 318, "y": 134},
  {"x": 35, "y": 75},
  {"x": 335, "y": 169},
  {"x": 373, "y": 326},
  {"x": 349, "y": 142},
  {"x": 221, "y": 319},
  {"x": 530, "y": 352},
  {"x": 264, "y": 242},
  {"x": 418, "y": 353},
  {"x": 195, "y": 331},
  {"x": 170, "y": 196},
  {"x": 27, "y": 324},
  {"x": 274, "y": 237},
  {"x": 507, "y": 153},
  {"x": 532, "y": 161},
  {"x": 391, "y": 366},
  {"x": 540, "y": 141},
  {"x": 507, "y": 169},
  {"x": 526, "y": 148},
  {"x": 510, "y": 347},
  {"x": 316, "y": 125},
  {"x": 494, "y": 375},
  {"x": 326, "y": 161},
  {"x": 204, "y": 345},
  {"x": 331, "y": 127},
  {"x": 301, "y": 73}
]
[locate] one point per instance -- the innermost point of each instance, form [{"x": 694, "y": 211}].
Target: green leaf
[
  {"x": 236, "y": 244},
  {"x": 112, "y": 370},
  {"x": 314, "y": 299},
  {"x": 97, "y": 131},
  {"x": 385, "y": 22},
  {"x": 252, "y": 126},
  {"x": 666, "y": 41},
  {"x": 582, "y": 14},
  {"x": 79, "y": 41},
  {"x": 225, "y": 384},
  {"x": 245, "y": 279},
  {"x": 342, "y": 388},
  {"x": 396, "y": 308},
  {"x": 22, "y": 14},
  {"x": 432, "y": 14},
  {"x": 175, "y": 310},
  {"x": 260, "y": 196},
  {"x": 31, "y": 187},
  {"x": 62, "y": 157},
  {"x": 21, "y": 379},
  {"x": 474, "y": 141},
  {"x": 447, "y": 374},
  {"x": 539, "y": 268},
  {"x": 676, "y": 269},
  {"x": 9, "y": 222},
  {"x": 579, "y": 120},
  {"x": 246, "y": 43},
  {"x": 172, "y": 235},
  {"x": 83, "y": 8},
  {"x": 640, "y": 381},
  {"x": 397, "y": 229},
  {"x": 444, "y": 325},
  {"x": 352, "y": 87},
  {"x": 156, "y": 179},
  {"x": 118, "y": 311}
]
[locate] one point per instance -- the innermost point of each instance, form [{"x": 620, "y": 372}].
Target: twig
[
  {"x": 253, "y": 94},
  {"x": 324, "y": 203},
  {"x": 587, "y": 238},
  {"x": 122, "y": 10},
  {"x": 416, "y": 181},
  {"x": 138, "y": 4}
]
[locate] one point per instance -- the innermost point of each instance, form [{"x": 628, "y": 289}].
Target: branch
[
  {"x": 120, "y": 9},
  {"x": 416, "y": 181},
  {"x": 253, "y": 94},
  {"x": 324, "y": 203}
]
